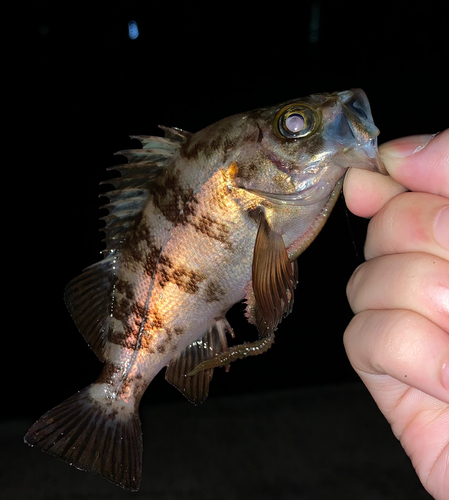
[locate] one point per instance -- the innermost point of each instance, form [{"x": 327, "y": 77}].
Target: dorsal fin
[
  {"x": 131, "y": 190},
  {"x": 88, "y": 297},
  {"x": 176, "y": 134}
]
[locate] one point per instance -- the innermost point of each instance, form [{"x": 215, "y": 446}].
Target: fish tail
[{"x": 93, "y": 435}]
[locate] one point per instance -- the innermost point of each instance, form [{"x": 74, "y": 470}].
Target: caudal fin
[{"x": 92, "y": 437}]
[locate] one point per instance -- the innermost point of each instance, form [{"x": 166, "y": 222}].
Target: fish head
[{"x": 306, "y": 145}]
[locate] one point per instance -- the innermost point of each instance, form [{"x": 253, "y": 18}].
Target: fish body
[{"x": 196, "y": 223}]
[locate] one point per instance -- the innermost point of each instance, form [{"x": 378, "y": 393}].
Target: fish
[{"x": 197, "y": 222}]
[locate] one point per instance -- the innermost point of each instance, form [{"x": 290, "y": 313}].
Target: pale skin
[{"x": 398, "y": 340}]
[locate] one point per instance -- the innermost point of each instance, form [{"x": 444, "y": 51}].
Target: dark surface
[{"x": 323, "y": 443}]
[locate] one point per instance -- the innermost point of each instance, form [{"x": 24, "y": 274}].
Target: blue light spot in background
[
  {"x": 314, "y": 22},
  {"x": 133, "y": 30},
  {"x": 43, "y": 30}
]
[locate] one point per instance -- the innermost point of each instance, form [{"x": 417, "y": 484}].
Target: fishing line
[{"x": 351, "y": 232}]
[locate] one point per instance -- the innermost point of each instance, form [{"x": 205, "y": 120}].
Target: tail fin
[{"x": 94, "y": 437}]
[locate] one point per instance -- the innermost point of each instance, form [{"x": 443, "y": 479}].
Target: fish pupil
[{"x": 294, "y": 123}]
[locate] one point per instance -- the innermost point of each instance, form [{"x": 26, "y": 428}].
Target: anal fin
[{"x": 196, "y": 388}]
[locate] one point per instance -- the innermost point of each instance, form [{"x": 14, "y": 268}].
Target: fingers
[
  {"x": 420, "y": 163},
  {"x": 414, "y": 281},
  {"x": 410, "y": 223},
  {"x": 367, "y": 192},
  {"x": 417, "y": 163},
  {"x": 403, "y": 345},
  {"x": 398, "y": 341}
]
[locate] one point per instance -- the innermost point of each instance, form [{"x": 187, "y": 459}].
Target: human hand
[{"x": 398, "y": 340}]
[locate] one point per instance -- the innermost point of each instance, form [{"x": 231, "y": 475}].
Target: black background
[{"x": 84, "y": 86}]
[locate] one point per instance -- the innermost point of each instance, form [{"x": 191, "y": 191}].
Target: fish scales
[
  {"x": 196, "y": 269},
  {"x": 198, "y": 222}
]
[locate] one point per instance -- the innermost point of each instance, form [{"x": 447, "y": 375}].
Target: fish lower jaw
[{"x": 111, "y": 402}]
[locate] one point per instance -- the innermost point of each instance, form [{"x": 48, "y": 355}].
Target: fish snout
[
  {"x": 353, "y": 126},
  {"x": 357, "y": 111}
]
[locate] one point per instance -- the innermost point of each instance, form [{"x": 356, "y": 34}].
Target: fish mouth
[
  {"x": 354, "y": 127},
  {"x": 373, "y": 159}
]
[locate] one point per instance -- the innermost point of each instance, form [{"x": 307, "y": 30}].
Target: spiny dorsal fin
[
  {"x": 273, "y": 279},
  {"x": 196, "y": 387},
  {"x": 131, "y": 190},
  {"x": 88, "y": 297},
  {"x": 176, "y": 134}
]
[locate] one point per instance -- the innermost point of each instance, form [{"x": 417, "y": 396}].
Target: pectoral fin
[
  {"x": 268, "y": 301},
  {"x": 273, "y": 279}
]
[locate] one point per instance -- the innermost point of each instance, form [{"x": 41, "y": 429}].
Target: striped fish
[{"x": 196, "y": 223}]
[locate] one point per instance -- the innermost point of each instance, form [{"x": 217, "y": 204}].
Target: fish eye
[{"x": 295, "y": 121}]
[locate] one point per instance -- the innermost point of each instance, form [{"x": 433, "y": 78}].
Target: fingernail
[
  {"x": 408, "y": 146},
  {"x": 422, "y": 146},
  {"x": 446, "y": 375},
  {"x": 441, "y": 228}
]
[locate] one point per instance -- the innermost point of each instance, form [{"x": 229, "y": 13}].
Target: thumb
[{"x": 420, "y": 163}]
